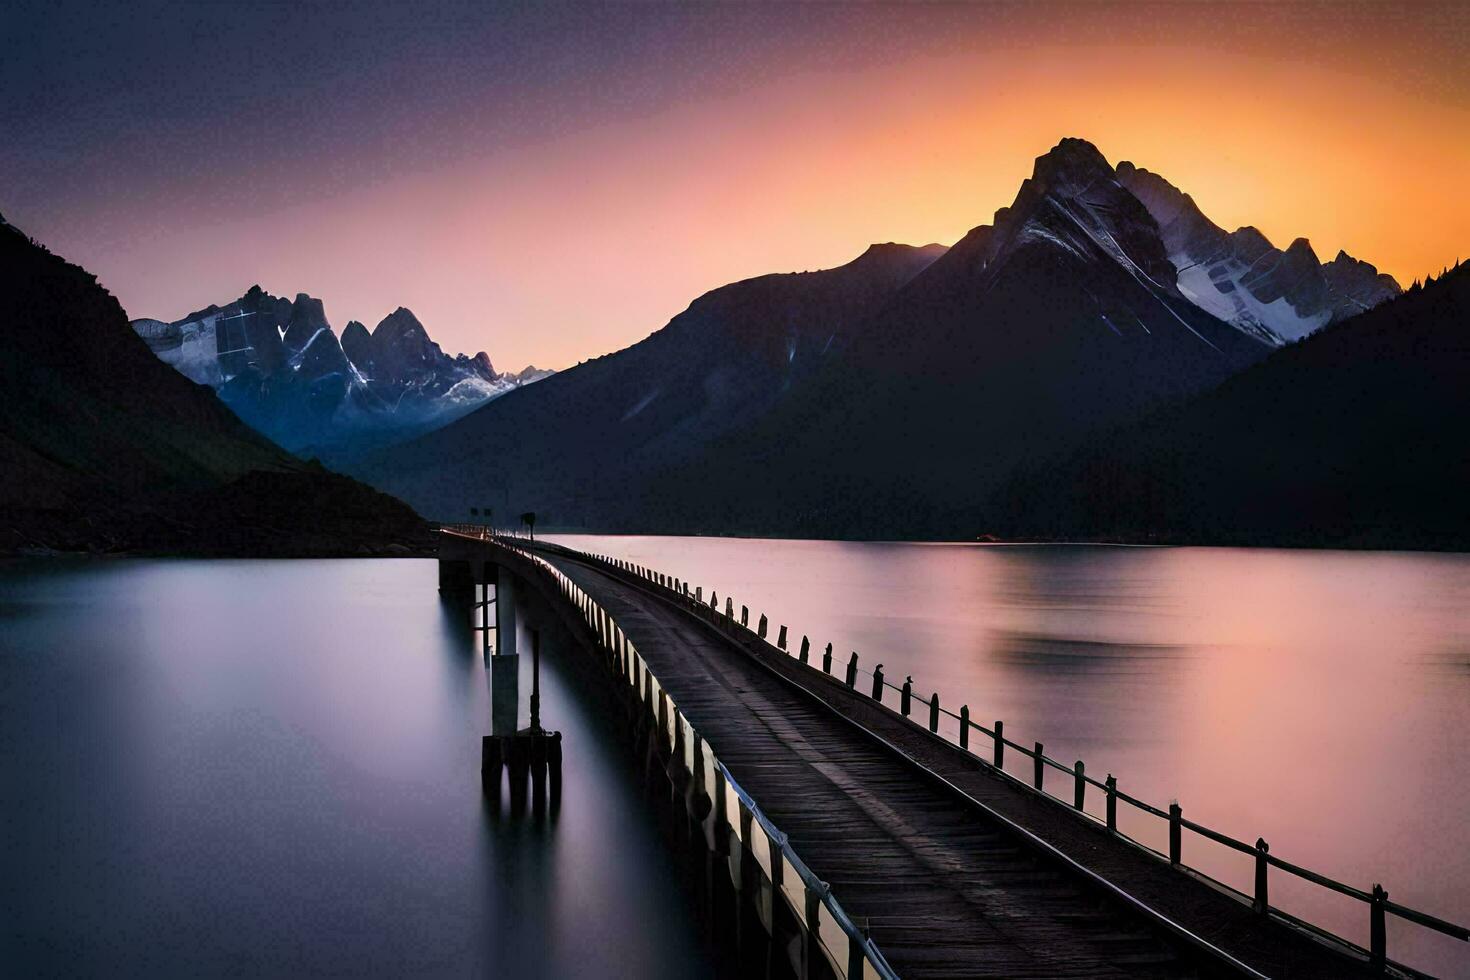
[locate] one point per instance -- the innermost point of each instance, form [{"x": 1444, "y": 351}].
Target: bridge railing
[
  {"x": 960, "y": 728},
  {"x": 848, "y": 950}
]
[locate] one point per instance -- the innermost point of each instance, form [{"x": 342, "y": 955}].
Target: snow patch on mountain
[
  {"x": 1241, "y": 278},
  {"x": 280, "y": 366},
  {"x": 1218, "y": 290}
]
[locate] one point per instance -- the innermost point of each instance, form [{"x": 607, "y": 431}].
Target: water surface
[
  {"x": 1320, "y": 700},
  {"x": 250, "y": 768}
]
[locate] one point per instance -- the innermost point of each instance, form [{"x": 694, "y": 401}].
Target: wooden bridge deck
[{"x": 947, "y": 888}]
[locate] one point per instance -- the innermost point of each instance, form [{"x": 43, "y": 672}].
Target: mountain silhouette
[{"x": 890, "y": 396}]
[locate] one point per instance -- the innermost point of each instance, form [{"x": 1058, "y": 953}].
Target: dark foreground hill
[
  {"x": 1354, "y": 437},
  {"x": 103, "y": 447}
]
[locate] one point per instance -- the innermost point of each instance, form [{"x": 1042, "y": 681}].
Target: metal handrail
[
  {"x": 815, "y": 887},
  {"x": 1377, "y": 898}
]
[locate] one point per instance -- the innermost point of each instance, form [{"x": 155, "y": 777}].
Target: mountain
[
  {"x": 881, "y": 398},
  {"x": 1032, "y": 333},
  {"x": 1242, "y": 278},
  {"x": 105, "y": 448},
  {"x": 279, "y": 365},
  {"x": 1354, "y": 437},
  {"x": 572, "y": 443}
]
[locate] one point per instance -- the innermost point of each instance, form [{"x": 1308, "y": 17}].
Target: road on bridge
[{"x": 948, "y": 881}]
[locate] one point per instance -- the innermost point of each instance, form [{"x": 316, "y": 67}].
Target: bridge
[{"x": 880, "y": 831}]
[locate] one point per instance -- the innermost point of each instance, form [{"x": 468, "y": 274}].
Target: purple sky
[{"x": 549, "y": 184}]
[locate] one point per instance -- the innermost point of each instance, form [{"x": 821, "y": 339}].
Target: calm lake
[
  {"x": 1320, "y": 700},
  {"x": 271, "y": 768}
]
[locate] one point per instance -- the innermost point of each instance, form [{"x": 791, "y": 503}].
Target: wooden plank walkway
[{"x": 947, "y": 890}]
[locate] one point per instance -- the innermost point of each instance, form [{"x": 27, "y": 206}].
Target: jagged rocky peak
[
  {"x": 1073, "y": 201},
  {"x": 1242, "y": 278},
  {"x": 478, "y": 366},
  {"x": 1071, "y": 166},
  {"x": 402, "y": 348},
  {"x": 279, "y": 365},
  {"x": 401, "y": 322},
  {"x": 308, "y": 318},
  {"x": 1357, "y": 285},
  {"x": 481, "y": 363},
  {"x": 357, "y": 344},
  {"x": 1250, "y": 244}
]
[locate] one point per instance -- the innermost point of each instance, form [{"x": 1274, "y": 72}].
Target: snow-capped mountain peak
[
  {"x": 1240, "y": 277},
  {"x": 279, "y": 365}
]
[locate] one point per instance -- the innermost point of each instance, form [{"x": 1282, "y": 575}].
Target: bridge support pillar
[
  {"x": 505, "y": 691},
  {"x": 505, "y": 612},
  {"x": 505, "y": 698}
]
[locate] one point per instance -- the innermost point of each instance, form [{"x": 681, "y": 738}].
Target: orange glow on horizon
[{"x": 564, "y": 250}]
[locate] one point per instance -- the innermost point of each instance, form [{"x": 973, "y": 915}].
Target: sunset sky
[{"x": 549, "y": 185}]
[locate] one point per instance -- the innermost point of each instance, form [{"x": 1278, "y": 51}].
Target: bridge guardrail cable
[
  {"x": 723, "y": 614},
  {"x": 814, "y": 905}
]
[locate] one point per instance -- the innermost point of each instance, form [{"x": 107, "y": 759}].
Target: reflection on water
[
  {"x": 1317, "y": 699},
  {"x": 272, "y": 769}
]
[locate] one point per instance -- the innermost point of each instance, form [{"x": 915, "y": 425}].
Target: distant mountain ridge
[
  {"x": 1243, "y": 279},
  {"x": 281, "y": 367},
  {"x": 105, "y": 448}
]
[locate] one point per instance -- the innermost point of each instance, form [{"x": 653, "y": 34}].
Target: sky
[{"x": 552, "y": 182}]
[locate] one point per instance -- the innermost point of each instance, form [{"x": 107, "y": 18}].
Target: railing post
[
  {"x": 1000, "y": 744},
  {"x": 813, "y": 925},
  {"x": 908, "y": 694},
  {"x": 878, "y": 683},
  {"x": 1263, "y": 899},
  {"x": 760, "y": 629},
  {"x": 855, "y": 953},
  {"x": 934, "y": 712},
  {"x": 1112, "y": 790},
  {"x": 745, "y": 616},
  {"x": 699, "y": 594},
  {"x": 1039, "y": 771},
  {"x": 781, "y": 638},
  {"x": 1079, "y": 795},
  {"x": 1176, "y": 832},
  {"x": 729, "y": 608},
  {"x": 1378, "y": 930},
  {"x": 806, "y": 649},
  {"x": 852, "y": 670},
  {"x": 965, "y": 726},
  {"x": 827, "y": 660}
]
